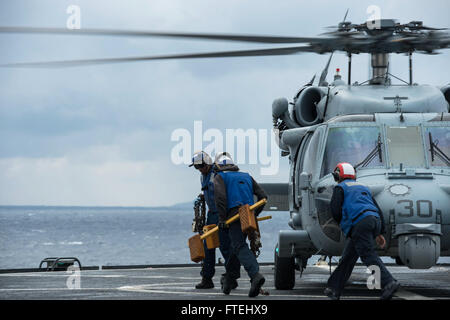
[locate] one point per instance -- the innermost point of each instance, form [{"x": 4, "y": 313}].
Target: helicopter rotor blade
[
  {"x": 324, "y": 73},
  {"x": 345, "y": 17},
  {"x": 222, "y": 54},
  {"x": 347, "y": 41},
  {"x": 203, "y": 36}
]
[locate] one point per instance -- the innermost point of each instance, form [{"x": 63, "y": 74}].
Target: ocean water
[{"x": 102, "y": 236}]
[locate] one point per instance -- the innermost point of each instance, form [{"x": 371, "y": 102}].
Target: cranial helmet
[
  {"x": 200, "y": 158},
  {"x": 223, "y": 158},
  {"x": 343, "y": 171}
]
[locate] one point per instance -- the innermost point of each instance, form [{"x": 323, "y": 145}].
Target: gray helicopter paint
[
  {"x": 290, "y": 138},
  {"x": 416, "y": 184},
  {"x": 278, "y": 200},
  {"x": 382, "y": 99},
  {"x": 403, "y": 177},
  {"x": 352, "y": 100}
]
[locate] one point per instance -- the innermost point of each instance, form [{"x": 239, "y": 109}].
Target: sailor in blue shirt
[
  {"x": 203, "y": 163},
  {"x": 361, "y": 221},
  {"x": 233, "y": 189}
]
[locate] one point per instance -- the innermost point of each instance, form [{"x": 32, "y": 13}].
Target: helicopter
[{"x": 396, "y": 136}]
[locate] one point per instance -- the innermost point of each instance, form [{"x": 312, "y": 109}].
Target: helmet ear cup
[{"x": 336, "y": 176}]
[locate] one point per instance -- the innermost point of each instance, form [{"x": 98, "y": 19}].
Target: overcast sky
[{"x": 101, "y": 135}]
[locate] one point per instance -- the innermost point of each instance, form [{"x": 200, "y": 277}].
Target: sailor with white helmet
[
  {"x": 232, "y": 189},
  {"x": 203, "y": 163}
]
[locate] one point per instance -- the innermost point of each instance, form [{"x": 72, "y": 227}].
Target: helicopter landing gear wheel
[
  {"x": 284, "y": 272},
  {"x": 399, "y": 261}
]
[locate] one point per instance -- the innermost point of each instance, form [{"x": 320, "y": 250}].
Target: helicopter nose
[
  {"x": 419, "y": 245},
  {"x": 416, "y": 213}
]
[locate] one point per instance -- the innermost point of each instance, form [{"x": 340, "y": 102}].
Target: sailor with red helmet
[{"x": 361, "y": 220}]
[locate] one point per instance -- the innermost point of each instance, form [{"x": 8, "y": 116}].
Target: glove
[
  {"x": 222, "y": 225},
  {"x": 259, "y": 210}
]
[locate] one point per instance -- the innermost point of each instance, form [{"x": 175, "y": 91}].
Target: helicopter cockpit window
[
  {"x": 438, "y": 146},
  {"x": 405, "y": 146},
  {"x": 355, "y": 145}
]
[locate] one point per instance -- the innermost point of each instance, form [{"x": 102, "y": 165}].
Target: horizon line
[{"x": 93, "y": 206}]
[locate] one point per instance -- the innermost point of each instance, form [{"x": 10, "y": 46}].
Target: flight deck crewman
[
  {"x": 361, "y": 220},
  {"x": 203, "y": 163},
  {"x": 232, "y": 189}
]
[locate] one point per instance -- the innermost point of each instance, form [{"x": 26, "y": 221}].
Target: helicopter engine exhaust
[{"x": 305, "y": 107}]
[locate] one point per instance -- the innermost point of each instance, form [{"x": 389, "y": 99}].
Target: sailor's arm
[
  {"x": 260, "y": 194},
  {"x": 380, "y": 213},
  {"x": 337, "y": 199},
  {"x": 220, "y": 197},
  {"x": 381, "y": 241}
]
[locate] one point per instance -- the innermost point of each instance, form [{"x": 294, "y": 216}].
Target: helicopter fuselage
[{"x": 408, "y": 179}]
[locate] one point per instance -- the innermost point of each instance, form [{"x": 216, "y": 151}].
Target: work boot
[
  {"x": 331, "y": 293},
  {"x": 206, "y": 283},
  {"x": 233, "y": 282},
  {"x": 389, "y": 290},
  {"x": 256, "y": 284},
  {"x": 228, "y": 284}
]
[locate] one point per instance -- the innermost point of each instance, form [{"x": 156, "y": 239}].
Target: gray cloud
[{"x": 101, "y": 135}]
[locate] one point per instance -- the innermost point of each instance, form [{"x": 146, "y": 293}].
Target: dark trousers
[
  {"x": 208, "y": 269},
  {"x": 240, "y": 253},
  {"x": 360, "y": 244}
]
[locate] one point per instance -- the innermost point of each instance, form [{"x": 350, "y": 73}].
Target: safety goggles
[{"x": 199, "y": 166}]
